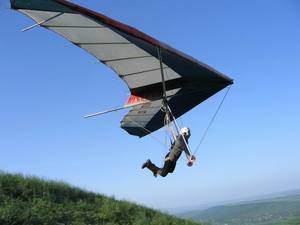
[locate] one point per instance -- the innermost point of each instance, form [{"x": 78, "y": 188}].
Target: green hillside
[
  {"x": 32, "y": 201},
  {"x": 276, "y": 211}
]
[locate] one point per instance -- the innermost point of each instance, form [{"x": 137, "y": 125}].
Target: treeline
[{"x": 33, "y": 201}]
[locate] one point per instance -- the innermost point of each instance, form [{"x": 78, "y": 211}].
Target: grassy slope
[
  {"x": 275, "y": 211},
  {"x": 32, "y": 201}
]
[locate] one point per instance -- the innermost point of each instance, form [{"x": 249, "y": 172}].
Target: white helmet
[{"x": 185, "y": 131}]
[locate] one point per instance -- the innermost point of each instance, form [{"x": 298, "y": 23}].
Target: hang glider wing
[{"x": 133, "y": 55}]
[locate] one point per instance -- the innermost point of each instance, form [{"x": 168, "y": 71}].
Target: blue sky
[{"x": 47, "y": 85}]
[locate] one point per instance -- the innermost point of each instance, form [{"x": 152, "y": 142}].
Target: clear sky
[{"x": 253, "y": 147}]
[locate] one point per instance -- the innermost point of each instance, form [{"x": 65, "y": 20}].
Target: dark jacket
[{"x": 176, "y": 149}]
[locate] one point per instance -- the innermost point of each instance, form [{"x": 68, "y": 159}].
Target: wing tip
[{"x": 135, "y": 131}]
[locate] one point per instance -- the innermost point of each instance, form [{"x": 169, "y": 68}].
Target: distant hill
[
  {"x": 33, "y": 201},
  {"x": 273, "y": 211}
]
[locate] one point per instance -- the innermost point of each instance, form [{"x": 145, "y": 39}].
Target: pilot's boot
[{"x": 151, "y": 167}]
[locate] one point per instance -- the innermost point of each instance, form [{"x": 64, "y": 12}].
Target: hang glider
[{"x": 136, "y": 57}]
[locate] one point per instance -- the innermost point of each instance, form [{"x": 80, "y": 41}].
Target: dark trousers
[{"x": 169, "y": 167}]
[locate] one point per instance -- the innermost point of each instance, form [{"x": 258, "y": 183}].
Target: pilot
[{"x": 171, "y": 158}]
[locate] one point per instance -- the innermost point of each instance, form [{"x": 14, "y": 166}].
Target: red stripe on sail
[
  {"x": 134, "y": 100},
  {"x": 111, "y": 22}
]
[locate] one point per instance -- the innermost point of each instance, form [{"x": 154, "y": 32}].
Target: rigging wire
[
  {"x": 212, "y": 120},
  {"x": 178, "y": 132},
  {"x": 165, "y": 105}
]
